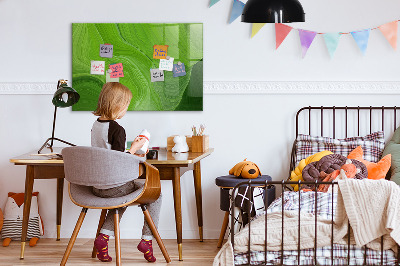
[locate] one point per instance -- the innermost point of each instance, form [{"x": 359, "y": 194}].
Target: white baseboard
[{"x": 247, "y": 87}]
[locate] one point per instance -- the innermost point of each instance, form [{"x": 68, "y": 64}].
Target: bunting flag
[
  {"x": 306, "y": 39},
  {"x": 332, "y": 41},
  {"x": 281, "y": 31},
  {"x": 256, "y": 28},
  {"x": 361, "y": 37},
  {"x": 389, "y": 30},
  {"x": 237, "y": 9},
  {"x": 213, "y": 2}
]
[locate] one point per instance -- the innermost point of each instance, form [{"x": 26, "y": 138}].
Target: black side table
[{"x": 226, "y": 183}]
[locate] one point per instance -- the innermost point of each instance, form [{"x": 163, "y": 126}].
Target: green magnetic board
[{"x": 133, "y": 47}]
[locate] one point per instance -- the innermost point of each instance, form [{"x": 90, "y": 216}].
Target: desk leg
[
  {"x": 27, "y": 206},
  {"x": 176, "y": 182},
  {"x": 60, "y": 190},
  {"x": 199, "y": 204}
]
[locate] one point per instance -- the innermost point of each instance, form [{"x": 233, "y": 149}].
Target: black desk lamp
[
  {"x": 273, "y": 11},
  {"x": 64, "y": 97}
]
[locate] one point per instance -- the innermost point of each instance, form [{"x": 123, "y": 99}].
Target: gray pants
[{"x": 154, "y": 208}]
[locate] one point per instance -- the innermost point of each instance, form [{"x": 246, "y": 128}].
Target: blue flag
[
  {"x": 237, "y": 10},
  {"x": 361, "y": 38}
]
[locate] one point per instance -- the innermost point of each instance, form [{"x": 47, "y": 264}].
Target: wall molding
[{"x": 244, "y": 87}]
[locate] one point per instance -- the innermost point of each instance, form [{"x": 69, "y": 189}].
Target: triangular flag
[
  {"x": 306, "y": 39},
  {"x": 390, "y": 32},
  {"x": 213, "y": 2},
  {"x": 281, "y": 31},
  {"x": 237, "y": 9},
  {"x": 332, "y": 41},
  {"x": 256, "y": 28},
  {"x": 361, "y": 37}
]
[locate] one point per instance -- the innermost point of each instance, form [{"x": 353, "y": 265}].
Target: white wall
[{"x": 35, "y": 46}]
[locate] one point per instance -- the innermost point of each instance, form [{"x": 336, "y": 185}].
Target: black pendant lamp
[{"x": 273, "y": 11}]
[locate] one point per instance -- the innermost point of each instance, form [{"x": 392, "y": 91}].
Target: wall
[{"x": 36, "y": 48}]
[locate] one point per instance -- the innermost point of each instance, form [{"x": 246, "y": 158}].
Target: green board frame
[{"x": 133, "y": 47}]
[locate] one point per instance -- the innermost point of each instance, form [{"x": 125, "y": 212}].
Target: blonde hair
[{"x": 112, "y": 99}]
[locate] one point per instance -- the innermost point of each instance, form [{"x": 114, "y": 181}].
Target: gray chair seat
[{"x": 83, "y": 196}]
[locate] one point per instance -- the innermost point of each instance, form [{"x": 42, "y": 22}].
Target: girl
[{"x": 106, "y": 133}]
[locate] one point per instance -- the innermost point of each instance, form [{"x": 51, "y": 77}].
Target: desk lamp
[
  {"x": 273, "y": 11},
  {"x": 63, "y": 97}
]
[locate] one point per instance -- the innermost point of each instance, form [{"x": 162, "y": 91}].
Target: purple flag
[{"x": 306, "y": 39}]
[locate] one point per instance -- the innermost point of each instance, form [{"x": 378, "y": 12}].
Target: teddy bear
[
  {"x": 245, "y": 169},
  {"x": 180, "y": 144},
  {"x": 13, "y": 215}
]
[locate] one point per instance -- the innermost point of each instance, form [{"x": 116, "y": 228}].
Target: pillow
[
  {"x": 375, "y": 170},
  {"x": 372, "y": 144},
  {"x": 296, "y": 174},
  {"x": 393, "y": 148}
]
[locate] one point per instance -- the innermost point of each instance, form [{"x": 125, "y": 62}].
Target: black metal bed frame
[{"x": 283, "y": 184}]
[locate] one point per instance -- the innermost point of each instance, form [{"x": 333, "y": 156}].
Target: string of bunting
[{"x": 361, "y": 37}]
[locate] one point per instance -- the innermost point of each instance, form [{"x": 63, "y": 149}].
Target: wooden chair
[{"x": 85, "y": 167}]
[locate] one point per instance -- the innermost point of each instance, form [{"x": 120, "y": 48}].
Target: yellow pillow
[{"x": 296, "y": 174}]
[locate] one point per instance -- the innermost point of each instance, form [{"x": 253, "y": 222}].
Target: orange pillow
[{"x": 375, "y": 170}]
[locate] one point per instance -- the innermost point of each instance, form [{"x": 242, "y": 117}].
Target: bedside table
[{"x": 226, "y": 183}]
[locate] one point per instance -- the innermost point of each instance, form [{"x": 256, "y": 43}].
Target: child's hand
[
  {"x": 143, "y": 155},
  {"x": 137, "y": 144}
]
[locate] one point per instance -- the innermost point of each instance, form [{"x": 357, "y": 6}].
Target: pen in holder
[{"x": 200, "y": 143}]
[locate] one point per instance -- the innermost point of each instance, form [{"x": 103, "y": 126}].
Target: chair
[{"x": 85, "y": 167}]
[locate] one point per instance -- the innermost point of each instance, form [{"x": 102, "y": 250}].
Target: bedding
[
  {"x": 372, "y": 144},
  {"x": 325, "y": 201},
  {"x": 340, "y": 253},
  {"x": 393, "y": 148}
]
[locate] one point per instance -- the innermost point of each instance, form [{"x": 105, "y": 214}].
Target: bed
[{"x": 301, "y": 228}]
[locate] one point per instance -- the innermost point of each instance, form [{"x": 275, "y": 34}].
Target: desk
[{"x": 171, "y": 167}]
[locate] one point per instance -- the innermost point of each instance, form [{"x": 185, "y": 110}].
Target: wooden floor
[{"x": 50, "y": 252}]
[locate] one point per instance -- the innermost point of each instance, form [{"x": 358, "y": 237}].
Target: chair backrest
[{"x": 92, "y": 166}]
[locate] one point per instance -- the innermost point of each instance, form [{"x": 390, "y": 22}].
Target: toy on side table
[
  {"x": 245, "y": 169},
  {"x": 180, "y": 144},
  {"x": 13, "y": 215}
]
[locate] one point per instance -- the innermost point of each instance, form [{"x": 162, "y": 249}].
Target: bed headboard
[{"x": 344, "y": 121}]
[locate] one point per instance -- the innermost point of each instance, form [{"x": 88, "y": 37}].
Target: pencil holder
[{"x": 200, "y": 143}]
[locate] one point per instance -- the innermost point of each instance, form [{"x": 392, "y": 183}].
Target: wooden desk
[{"x": 169, "y": 165}]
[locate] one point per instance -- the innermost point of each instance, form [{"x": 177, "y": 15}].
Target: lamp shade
[
  {"x": 273, "y": 11},
  {"x": 65, "y": 96}
]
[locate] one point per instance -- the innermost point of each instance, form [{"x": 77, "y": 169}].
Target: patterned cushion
[{"x": 372, "y": 144}]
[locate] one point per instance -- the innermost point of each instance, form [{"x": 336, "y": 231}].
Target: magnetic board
[{"x": 98, "y": 47}]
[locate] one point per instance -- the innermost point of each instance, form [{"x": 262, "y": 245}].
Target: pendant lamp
[
  {"x": 273, "y": 11},
  {"x": 63, "y": 97}
]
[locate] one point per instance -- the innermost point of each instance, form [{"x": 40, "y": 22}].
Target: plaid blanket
[{"x": 323, "y": 205}]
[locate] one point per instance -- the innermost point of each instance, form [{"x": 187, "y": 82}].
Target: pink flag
[
  {"x": 281, "y": 31},
  {"x": 306, "y": 39},
  {"x": 389, "y": 30}
]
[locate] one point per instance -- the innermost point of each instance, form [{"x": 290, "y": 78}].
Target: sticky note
[
  {"x": 179, "y": 70},
  {"x": 116, "y": 70},
  {"x": 156, "y": 75},
  {"x": 97, "y": 67},
  {"x": 106, "y": 50},
  {"x": 160, "y": 51},
  {"x": 110, "y": 79},
  {"x": 166, "y": 64}
]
